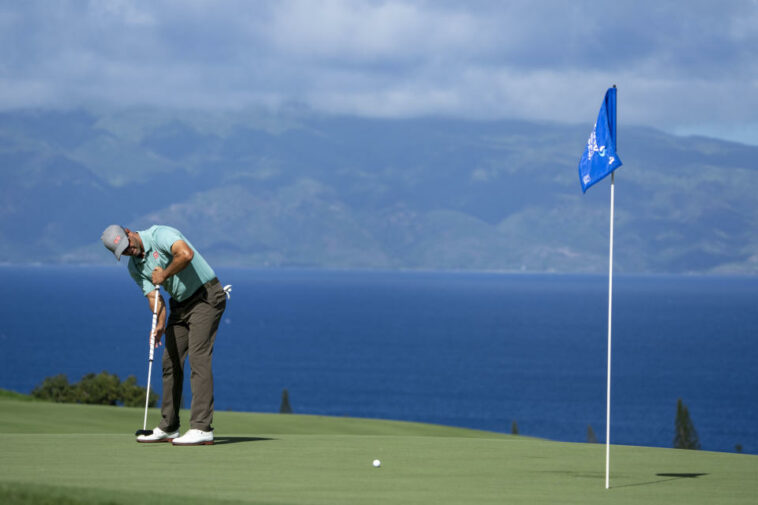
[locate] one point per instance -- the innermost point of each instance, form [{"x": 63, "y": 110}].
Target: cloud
[
  {"x": 367, "y": 33},
  {"x": 122, "y": 12},
  {"x": 549, "y": 60}
]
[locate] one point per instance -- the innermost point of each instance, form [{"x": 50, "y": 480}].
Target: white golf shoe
[
  {"x": 158, "y": 436},
  {"x": 195, "y": 437}
]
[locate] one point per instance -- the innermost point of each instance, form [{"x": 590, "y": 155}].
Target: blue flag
[{"x": 599, "y": 158}]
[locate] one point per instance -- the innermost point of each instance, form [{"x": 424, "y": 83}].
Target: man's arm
[
  {"x": 160, "y": 326},
  {"x": 182, "y": 254}
]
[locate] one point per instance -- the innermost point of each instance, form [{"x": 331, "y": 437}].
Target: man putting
[{"x": 162, "y": 256}]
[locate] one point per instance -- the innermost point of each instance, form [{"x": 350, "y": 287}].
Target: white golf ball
[{"x": 377, "y": 463}]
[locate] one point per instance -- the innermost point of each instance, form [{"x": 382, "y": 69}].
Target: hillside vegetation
[{"x": 303, "y": 190}]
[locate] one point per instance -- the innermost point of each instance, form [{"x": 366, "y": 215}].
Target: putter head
[{"x": 143, "y": 432}]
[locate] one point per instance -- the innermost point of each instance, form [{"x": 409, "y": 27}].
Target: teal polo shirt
[{"x": 157, "y": 241}]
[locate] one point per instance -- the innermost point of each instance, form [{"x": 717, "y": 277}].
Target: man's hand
[
  {"x": 159, "y": 276},
  {"x": 159, "y": 331},
  {"x": 182, "y": 256},
  {"x": 160, "y": 326}
]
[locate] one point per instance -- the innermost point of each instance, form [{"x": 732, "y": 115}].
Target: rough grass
[
  {"x": 54, "y": 453},
  {"x": 7, "y": 394}
]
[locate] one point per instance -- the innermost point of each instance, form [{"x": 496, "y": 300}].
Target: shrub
[
  {"x": 56, "y": 389},
  {"x": 101, "y": 389},
  {"x": 133, "y": 395}
]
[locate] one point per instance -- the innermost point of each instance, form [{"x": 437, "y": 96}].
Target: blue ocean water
[{"x": 464, "y": 349}]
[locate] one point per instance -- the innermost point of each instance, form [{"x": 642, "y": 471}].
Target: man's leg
[
  {"x": 174, "y": 356},
  {"x": 203, "y": 325}
]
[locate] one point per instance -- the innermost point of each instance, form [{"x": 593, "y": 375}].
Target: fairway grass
[{"x": 76, "y": 454}]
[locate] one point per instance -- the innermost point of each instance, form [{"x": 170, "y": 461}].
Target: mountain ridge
[{"x": 271, "y": 190}]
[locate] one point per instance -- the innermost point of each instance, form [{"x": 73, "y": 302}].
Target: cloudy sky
[{"x": 684, "y": 67}]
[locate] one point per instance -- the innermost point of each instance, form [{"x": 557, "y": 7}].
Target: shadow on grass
[
  {"x": 681, "y": 475},
  {"x": 668, "y": 478},
  {"x": 238, "y": 440}
]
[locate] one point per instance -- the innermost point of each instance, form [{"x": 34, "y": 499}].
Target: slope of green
[
  {"x": 37, "y": 417},
  {"x": 79, "y": 454},
  {"x": 7, "y": 394}
]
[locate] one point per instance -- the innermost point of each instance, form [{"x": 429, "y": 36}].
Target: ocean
[{"x": 477, "y": 350}]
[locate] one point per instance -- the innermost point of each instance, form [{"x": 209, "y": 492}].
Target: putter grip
[
  {"x": 155, "y": 323},
  {"x": 152, "y": 336}
]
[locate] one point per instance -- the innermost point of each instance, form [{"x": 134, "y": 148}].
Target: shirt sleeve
[
  {"x": 164, "y": 238},
  {"x": 145, "y": 284}
]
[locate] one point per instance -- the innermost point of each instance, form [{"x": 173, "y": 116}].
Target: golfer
[{"x": 161, "y": 255}]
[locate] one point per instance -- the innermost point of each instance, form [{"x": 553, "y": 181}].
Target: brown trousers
[{"x": 191, "y": 330}]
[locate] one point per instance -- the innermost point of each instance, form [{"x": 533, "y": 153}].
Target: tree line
[{"x": 101, "y": 389}]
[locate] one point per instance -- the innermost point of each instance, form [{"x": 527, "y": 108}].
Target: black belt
[{"x": 199, "y": 292}]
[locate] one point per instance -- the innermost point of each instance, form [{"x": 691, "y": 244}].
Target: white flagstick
[{"x": 610, "y": 311}]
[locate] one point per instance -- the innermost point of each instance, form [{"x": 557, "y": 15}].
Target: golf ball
[{"x": 377, "y": 463}]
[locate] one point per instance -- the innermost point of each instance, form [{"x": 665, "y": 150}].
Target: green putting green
[{"x": 53, "y": 453}]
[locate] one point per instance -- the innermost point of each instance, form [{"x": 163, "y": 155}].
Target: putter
[{"x": 144, "y": 430}]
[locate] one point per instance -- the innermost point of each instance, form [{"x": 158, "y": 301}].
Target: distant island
[{"x": 264, "y": 190}]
